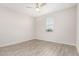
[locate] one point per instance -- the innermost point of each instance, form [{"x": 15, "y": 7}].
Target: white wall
[
  {"x": 77, "y": 41},
  {"x": 14, "y": 27},
  {"x": 65, "y": 27}
]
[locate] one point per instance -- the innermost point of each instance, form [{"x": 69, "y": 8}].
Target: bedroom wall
[
  {"x": 64, "y": 27},
  {"x": 14, "y": 27},
  {"x": 77, "y": 41}
]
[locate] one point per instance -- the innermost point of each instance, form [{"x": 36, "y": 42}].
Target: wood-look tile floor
[{"x": 38, "y": 48}]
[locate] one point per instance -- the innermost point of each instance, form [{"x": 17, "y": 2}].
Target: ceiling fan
[{"x": 37, "y": 6}]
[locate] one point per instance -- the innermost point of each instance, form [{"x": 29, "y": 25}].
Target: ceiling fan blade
[
  {"x": 43, "y": 4},
  {"x": 37, "y": 5}
]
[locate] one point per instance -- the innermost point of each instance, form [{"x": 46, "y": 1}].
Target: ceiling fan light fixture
[
  {"x": 38, "y": 9},
  {"x": 37, "y": 6}
]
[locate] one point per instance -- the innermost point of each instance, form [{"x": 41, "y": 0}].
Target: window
[{"x": 49, "y": 24}]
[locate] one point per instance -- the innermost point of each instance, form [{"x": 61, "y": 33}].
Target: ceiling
[{"x": 48, "y": 8}]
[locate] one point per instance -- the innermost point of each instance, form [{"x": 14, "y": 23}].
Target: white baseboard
[
  {"x": 13, "y": 43},
  {"x": 58, "y": 42}
]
